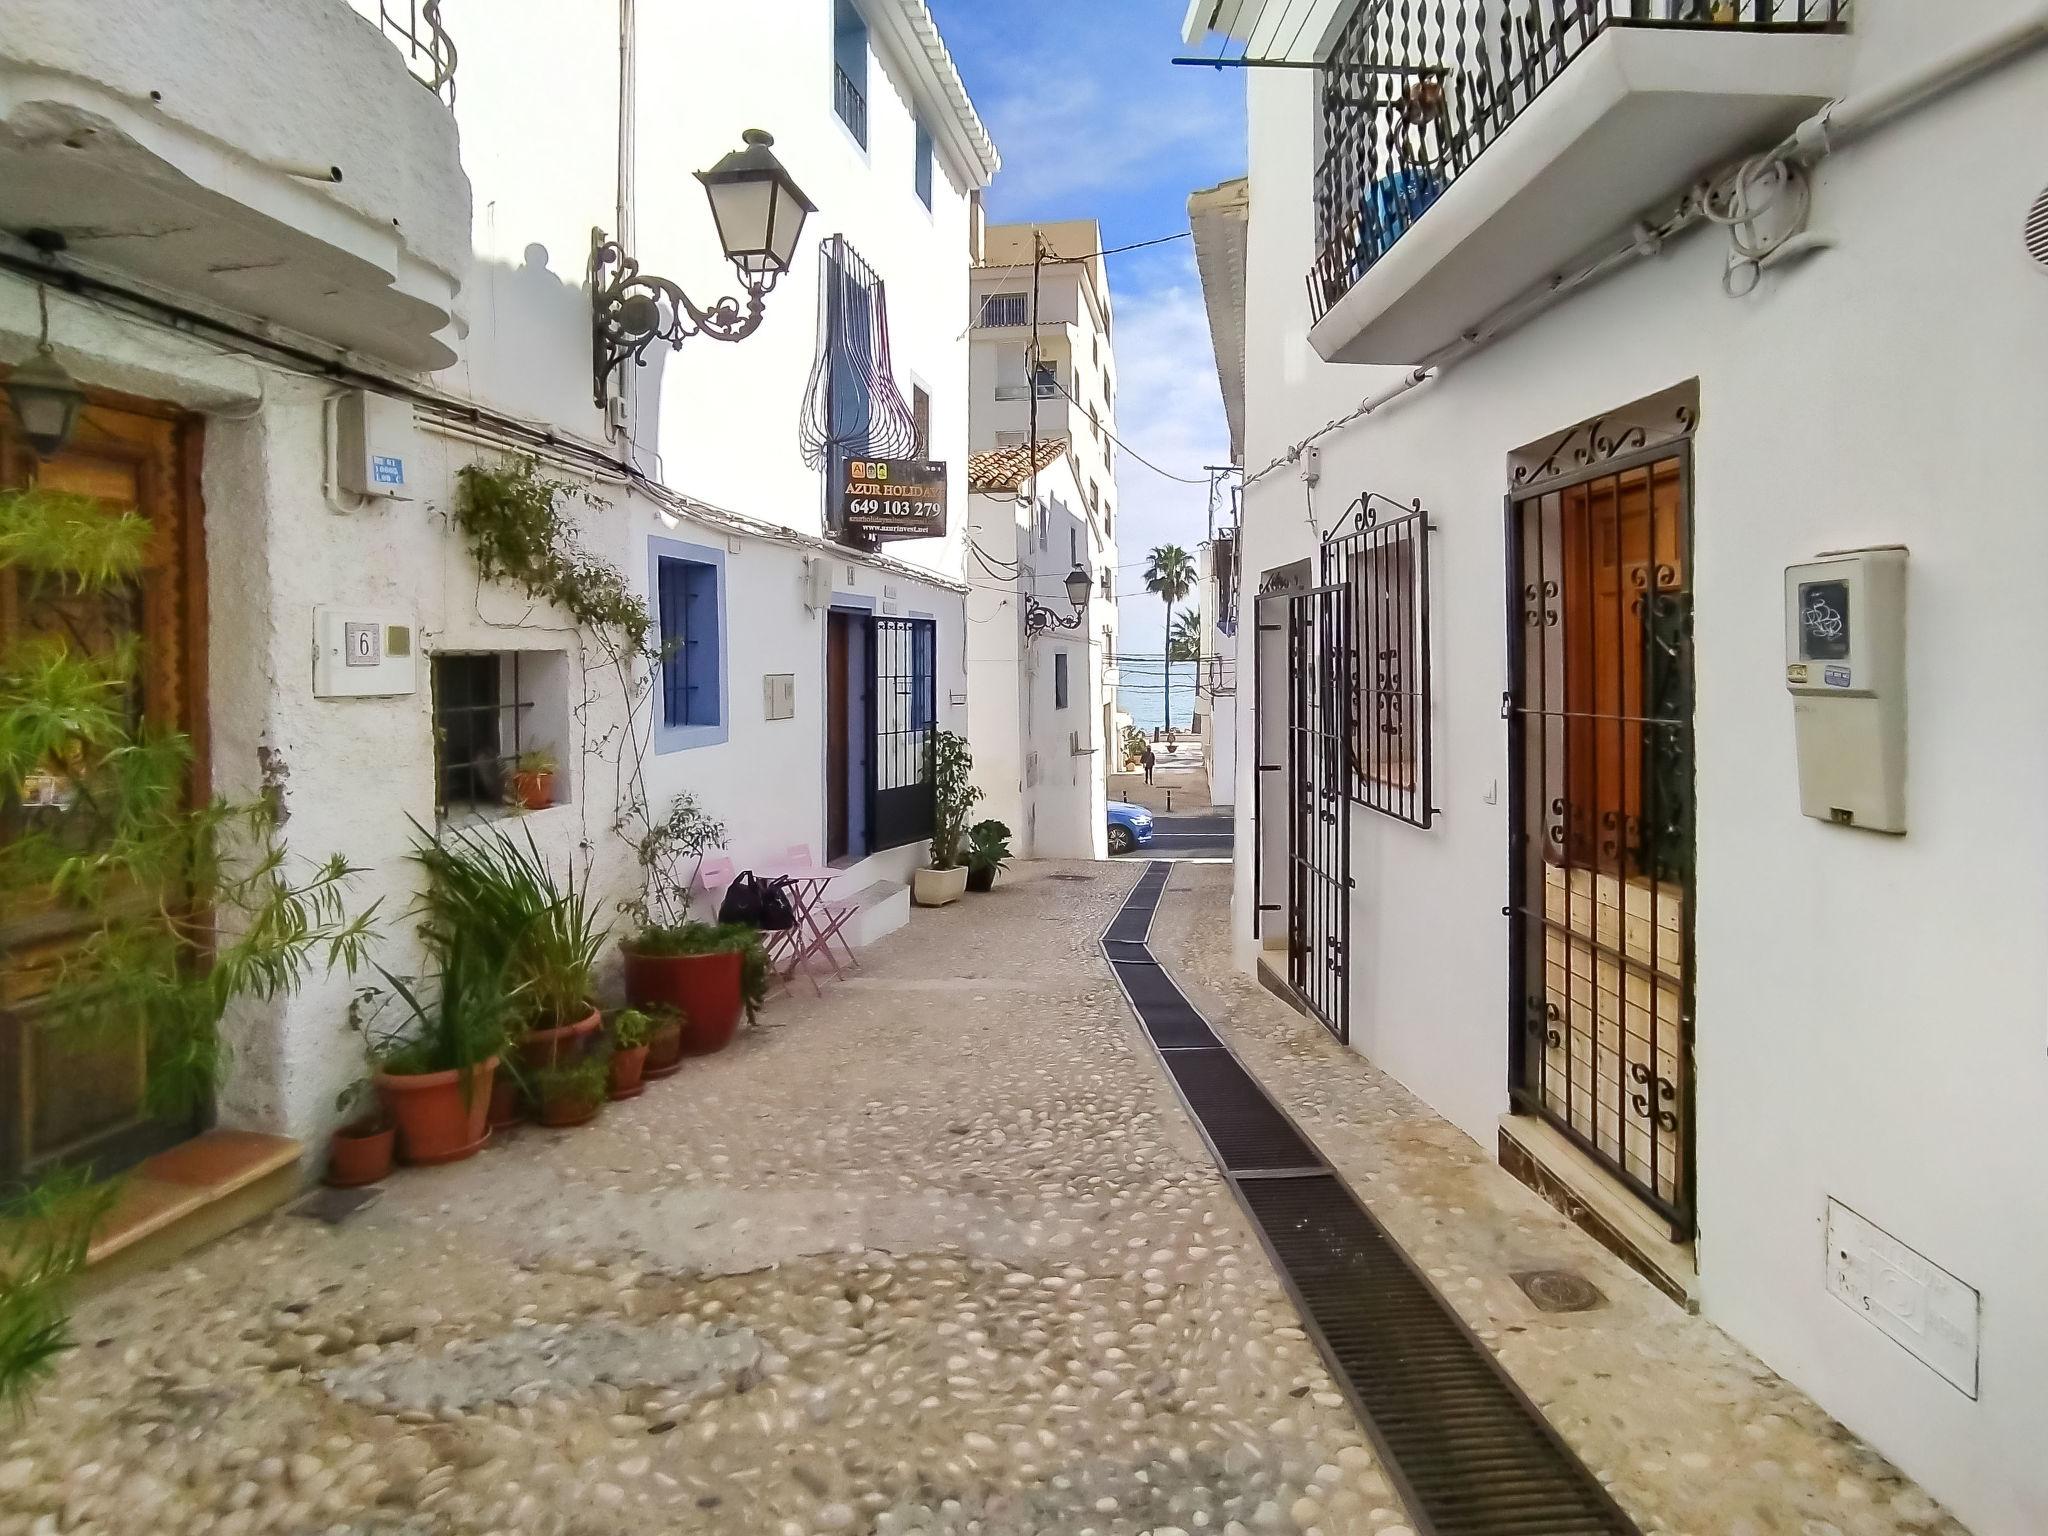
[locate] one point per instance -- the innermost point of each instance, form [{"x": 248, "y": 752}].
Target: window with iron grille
[
  {"x": 1006, "y": 309},
  {"x": 1379, "y": 555},
  {"x": 492, "y": 708},
  {"x": 850, "y": 68},
  {"x": 689, "y": 611}
]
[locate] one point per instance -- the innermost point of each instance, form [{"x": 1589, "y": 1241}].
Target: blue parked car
[{"x": 1130, "y": 826}]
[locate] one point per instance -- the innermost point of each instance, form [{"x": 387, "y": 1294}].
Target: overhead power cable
[{"x": 1127, "y": 448}]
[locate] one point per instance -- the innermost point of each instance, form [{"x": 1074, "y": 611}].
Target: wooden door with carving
[{"x": 74, "y": 1096}]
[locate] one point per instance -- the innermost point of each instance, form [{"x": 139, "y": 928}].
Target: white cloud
[{"x": 1069, "y": 136}]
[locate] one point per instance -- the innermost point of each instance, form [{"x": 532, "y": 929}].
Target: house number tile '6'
[{"x": 362, "y": 644}]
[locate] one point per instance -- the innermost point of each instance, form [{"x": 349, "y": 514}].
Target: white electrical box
[
  {"x": 373, "y": 445},
  {"x": 778, "y": 695},
  {"x": 1845, "y": 666},
  {"x": 363, "y": 653},
  {"x": 818, "y": 575}
]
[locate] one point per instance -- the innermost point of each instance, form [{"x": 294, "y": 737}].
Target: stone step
[
  {"x": 880, "y": 909},
  {"x": 191, "y": 1194}
]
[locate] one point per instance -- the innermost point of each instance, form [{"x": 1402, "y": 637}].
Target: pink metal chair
[
  {"x": 829, "y": 918},
  {"x": 714, "y": 873}
]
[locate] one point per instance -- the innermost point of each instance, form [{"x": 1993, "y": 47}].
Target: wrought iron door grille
[
  {"x": 902, "y": 716},
  {"x": 1318, "y": 802},
  {"x": 1600, "y": 727},
  {"x": 1415, "y": 90},
  {"x": 1379, "y": 554}
]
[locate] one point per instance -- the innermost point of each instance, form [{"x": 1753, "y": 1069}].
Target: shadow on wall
[{"x": 525, "y": 343}]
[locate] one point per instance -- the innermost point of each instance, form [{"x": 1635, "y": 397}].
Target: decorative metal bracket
[
  {"x": 630, "y": 311},
  {"x": 1041, "y": 620}
]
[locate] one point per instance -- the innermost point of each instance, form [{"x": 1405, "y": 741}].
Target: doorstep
[
  {"x": 1272, "y": 968},
  {"x": 191, "y": 1194},
  {"x": 1543, "y": 1158}
]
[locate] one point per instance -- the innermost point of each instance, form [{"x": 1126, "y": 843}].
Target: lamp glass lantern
[
  {"x": 46, "y": 401},
  {"x": 1079, "y": 586},
  {"x": 759, "y": 209}
]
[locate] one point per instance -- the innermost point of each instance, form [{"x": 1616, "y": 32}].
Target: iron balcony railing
[
  {"x": 415, "y": 26},
  {"x": 850, "y": 103},
  {"x": 1415, "y": 90}
]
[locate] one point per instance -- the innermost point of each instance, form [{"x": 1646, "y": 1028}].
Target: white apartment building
[
  {"x": 309, "y": 262},
  {"x": 1641, "y": 574},
  {"x": 1041, "y": 680},
  {"x": 1220, "y": 219},
  {"x": 1043, "y": 371}
]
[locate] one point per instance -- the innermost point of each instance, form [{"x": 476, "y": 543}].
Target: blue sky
[{"x": 1094, "y": 122}]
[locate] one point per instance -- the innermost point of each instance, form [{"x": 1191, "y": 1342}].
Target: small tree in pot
[
  {"x": 988, "y": 852},
  {"x": 706, "y": 972},
  {"x": 953, "y": 800}
]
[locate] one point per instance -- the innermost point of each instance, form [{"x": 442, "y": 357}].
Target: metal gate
[
  {"x": 1601, "y": 809},
  {"x": 1320, "y": 697},
  {"x": 902, "y": 715}
]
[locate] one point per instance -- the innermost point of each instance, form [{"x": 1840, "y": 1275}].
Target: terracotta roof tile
[{"x": 1006, "y": 469}]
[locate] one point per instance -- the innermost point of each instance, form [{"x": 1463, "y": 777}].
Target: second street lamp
[
  {"x": 759, "y": 211},
  {"x": 1039, "y": 619}
]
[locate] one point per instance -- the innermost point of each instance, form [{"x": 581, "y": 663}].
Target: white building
[
  {"x": 1040, "y": 668},
  {"x": 1043, "y": 370},
  {"x": 1766, "y": 1003},
  {"x": 1220, "y": 218},
  {"x": 263, "y": 337}
]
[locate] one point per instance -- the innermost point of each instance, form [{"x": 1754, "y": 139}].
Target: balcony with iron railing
[
  {"x": 415, "y": 26},
  {"x": 1468, "y": 149},
  {"x": 851, "y": 103}
]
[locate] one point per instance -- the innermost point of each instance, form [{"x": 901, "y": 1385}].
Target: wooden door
[
  {"x": 74, "y": 1097},
  {"x": 838, "y": 708}
]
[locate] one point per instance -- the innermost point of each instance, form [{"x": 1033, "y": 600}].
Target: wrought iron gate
[
  {"x": 1320, "y": 696},
  {"x": 902, "y": 715},
  {"x": 1600, "y": 740}
]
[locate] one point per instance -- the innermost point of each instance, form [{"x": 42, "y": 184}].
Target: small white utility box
[
  {"x": 1845, "y": 666},
  {"x": 363, "y": 653},
  {"x": 373, "y": 445}
]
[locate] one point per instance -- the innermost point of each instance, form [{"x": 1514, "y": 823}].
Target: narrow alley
[{"x": 798, "y": 1289}]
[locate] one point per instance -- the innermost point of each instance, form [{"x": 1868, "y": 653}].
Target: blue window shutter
[
  {"x": 924, "y": 667},
  {"x": 924, "y": 165},
  {"x": 703, "y": 640},
  {"x": 672, "y": 601}
]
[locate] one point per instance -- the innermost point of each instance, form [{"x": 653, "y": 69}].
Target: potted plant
[
  {"x": 572, "y": 1091},
  {"x": 533, "y": 780},
  {"x": 361, "y": 1149},
  {"x": 435, "y": 1065},
  {"x": 708, "y": 973},
  {"x": 953, "y": 798},
  {"x": 500, "y": 899},
  {"x": 988, "y": 852},
  {"x": 631, "y": 1030},
  {"x": 664, "y": 1041}
]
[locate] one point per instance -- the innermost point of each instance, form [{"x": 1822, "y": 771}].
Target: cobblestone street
[{"x": 939, "y": 1251}]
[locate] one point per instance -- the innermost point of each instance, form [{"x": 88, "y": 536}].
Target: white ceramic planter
[{"x": 937, "y": 887}]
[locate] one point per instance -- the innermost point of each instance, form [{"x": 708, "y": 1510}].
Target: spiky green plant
[{"x": 44, "y": 1236}]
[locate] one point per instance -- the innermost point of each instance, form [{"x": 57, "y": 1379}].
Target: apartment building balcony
[
  {"x": 1470, "y": 152},
  {"x": 293, "y": 163}
]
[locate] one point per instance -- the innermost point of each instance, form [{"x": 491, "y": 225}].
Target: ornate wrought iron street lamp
[
  {"x": 1039, "y": 619},
  {"x": 760, "y": 213}
]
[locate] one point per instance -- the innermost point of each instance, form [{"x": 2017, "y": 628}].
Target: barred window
[{"x": 1379, "y": 554}]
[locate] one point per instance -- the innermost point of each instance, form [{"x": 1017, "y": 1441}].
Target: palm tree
[
  {"x": 1184, "y": 640},
  {"x": 1170, "y": 571}
]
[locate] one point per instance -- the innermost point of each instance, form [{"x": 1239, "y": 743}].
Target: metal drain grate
[{"x": 1470, "y": 1454}]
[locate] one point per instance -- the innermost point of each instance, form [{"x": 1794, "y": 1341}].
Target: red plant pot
[
  {"x": 533, "y": 791},
  {"x": 439, "y": 1118},
  {"x": 506, "y": 1108},
  {"x": 542, "y": 1048},
  {"x": 567, "y": 1109},
  {"x": 361, "y": 1153},
  {"x": 629, "y": 1065},
  {"x": 665, "y": 1051},
  {"x": 704, "y": 988}
]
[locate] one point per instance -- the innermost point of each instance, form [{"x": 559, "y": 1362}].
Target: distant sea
[{"x": 1141, "y": 693}]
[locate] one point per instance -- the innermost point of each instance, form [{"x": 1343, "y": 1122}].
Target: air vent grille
[{"x": 2037, "y": 229}]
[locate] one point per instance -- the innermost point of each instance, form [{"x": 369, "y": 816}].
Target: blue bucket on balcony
[{"x": 1395, "y": 202}]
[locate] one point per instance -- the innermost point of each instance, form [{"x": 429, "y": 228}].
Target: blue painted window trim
[
  {"x": 924, "y": 165},
  {"x": 695, "y": 572}
]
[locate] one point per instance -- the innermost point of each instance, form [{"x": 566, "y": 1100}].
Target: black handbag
[{"x": 762, "y": 904}]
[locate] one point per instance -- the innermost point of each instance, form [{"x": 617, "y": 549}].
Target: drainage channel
[{"x": 1468, "y": 1451}]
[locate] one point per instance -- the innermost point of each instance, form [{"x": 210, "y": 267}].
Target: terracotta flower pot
[
  {"x": 704, "y": 988},
  {"x": 506, "y": 1109},
  {"x": 665, "y": 1051},
  {"x": 541, "y": 1048},
  {"x": 629, "y": 1066},
  {"x": 438, "y": 1121},
  {"x": 533, "y": 791},
  {"x": 566, "y": 1109},
  {"x": 361, "y": 1153}
]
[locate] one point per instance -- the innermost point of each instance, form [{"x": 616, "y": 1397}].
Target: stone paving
[{"x": 938, "y": 1253}]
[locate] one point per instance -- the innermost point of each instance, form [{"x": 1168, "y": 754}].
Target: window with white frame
[
  {"x": 1059, "y": 679},
  {"x": 689, "y": 603},
  {"x": 1006, "y": 309}
]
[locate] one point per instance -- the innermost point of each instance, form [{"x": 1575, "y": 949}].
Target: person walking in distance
[{"x": 1148, "y": 761}]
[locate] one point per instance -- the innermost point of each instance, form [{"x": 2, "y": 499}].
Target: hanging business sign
[{"x": 894, "y": 498}]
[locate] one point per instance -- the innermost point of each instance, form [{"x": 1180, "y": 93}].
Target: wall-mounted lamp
[
  {"x": 1039, "y": 619},
  {"x": 45, "y": 398},
  {"x": 760, "y": 215}
]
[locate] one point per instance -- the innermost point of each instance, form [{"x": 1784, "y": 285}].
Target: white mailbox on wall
[
  {"x": 1845, "y": 666},
  {"x": 363, "y": 653}
]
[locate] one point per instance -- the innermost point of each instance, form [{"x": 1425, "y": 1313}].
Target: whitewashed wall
[{"x": 1872, "y": 1011}]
